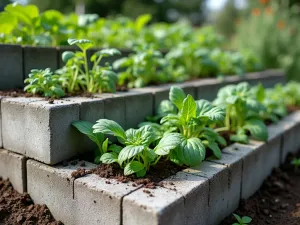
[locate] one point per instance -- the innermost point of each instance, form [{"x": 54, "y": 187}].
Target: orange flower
[
  {"x": 280, "y": 24},
  {"x": 263, "y": 2},
  {"x": 269, "y": 11},
  {"x": 256, "y": 12}
]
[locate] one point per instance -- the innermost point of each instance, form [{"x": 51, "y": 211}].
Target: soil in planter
[
  {"x": 18, "y": 208},
  {"x": 277, "y": 202},
  {"x": 161, "y": 171}
]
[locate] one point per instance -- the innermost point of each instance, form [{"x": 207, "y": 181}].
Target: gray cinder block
[
  {"x": 13, "y": 167},
  {"x": 218, "y": 176},
  {"x": 11, "y": 67},
  {"x": 39, "y": 58}
]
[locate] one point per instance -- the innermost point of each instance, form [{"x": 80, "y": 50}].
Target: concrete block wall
[{"x": 204, "y": 194}]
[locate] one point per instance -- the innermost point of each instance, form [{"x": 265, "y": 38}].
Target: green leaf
[
  {"x": 214, "y": 113},
  {"x": 129, "y": 151},
  {"x": 25, "y": 14},
  {"x": 191, "y": 151},
  {"x": 110, "y": 127},
  {"x": 67, "y": 55},
  {"x": 108, "y": 52},
  {"x": 133, "y": 167},
  {"x": 257, "y": 129},
  {"x": 246, "y": 219},
  {"x": 8, "y": 23},
  {"x": 238, "y": 218},
  {"x": 86, "y": 128},
  {"x": 141, "y": 21},
  {"x": 177, "y": 96},
  {"x": 108, "y": 158},
  {"x": 83, "y": 44},
  {"x": 189, "y": 109},
  {"x": 168, "y": 143},
  {"x": 215, "y": 148},
  {"x": 141, "y": 173},
  {"x": 104, "y": 145},
  {"x": 115, "y": 148},
  {"x": 166, "y": 107},
  {"x": 260, "y": 93},
  {"x": 241, "y": 138}
]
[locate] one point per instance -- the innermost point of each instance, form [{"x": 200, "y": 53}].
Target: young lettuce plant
[
  {"x": 45, "y": 83},
  {"x": 245, "y": 220},
  {"x": 296, "y": 163},
  {"x": 77, "y": 73},
  {"x": 135, "y": 156},
  {"x": 242, "y": 113}
]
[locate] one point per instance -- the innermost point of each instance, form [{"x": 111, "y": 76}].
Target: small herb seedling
[
  {"x": 242, "y": 220},
  {"x": 296, "y": 163}
]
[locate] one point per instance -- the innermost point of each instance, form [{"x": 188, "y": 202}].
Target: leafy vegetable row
[
  {"x": 185, "y": 129},
  {"x": 84, "y": 73}
]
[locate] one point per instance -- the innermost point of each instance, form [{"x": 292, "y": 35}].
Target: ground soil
[
  {"x": 161, "y": 171},
  {"x": 18, "y": 208},
  {"x": 277, "y": 202}
]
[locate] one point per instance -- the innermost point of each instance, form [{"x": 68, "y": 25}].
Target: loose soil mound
[
  {"x": 278, "y": 200},
  {"x": 18, "y": 208}
]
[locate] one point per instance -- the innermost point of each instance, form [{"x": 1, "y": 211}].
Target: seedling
[
  {"x": 296, "y": 163},
  {"x": 242, "y": 220}
]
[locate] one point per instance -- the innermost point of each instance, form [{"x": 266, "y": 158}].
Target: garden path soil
[
  {"x": 18, "y": 208},
  {"x": 277, "y": 202}
]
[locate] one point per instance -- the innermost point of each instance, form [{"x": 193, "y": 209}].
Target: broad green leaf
[
  {"x": 166, "y": 107},
  {"x": 133, "y": 167},
  {"x": 110, "y": 127},
  {"x": 189, "y": 109},
  {"x": 84, "y": 44},
  {"x": 105, "y": 145},
  {"x": 142, "y": 136},
  {"x": 25, "y": 14},
  {"x": 129, "y": 151},
  {"x": 246, "y": 219},
  {"x": 177, "y": 96},
  {"x": 260, "y": 93},
  {"x": 108, "y": 158},
  {"x": 108, "y": 52},
  {"x": 238, "y": 218},
  {"x": 215, "y": 148},
  {"x": 67, "y": 55},
  {"x": 86, "y": 128},
  {"x": 115, "y": 148},
  {"x": 168, "y": 143},
  {"x": 214, "y": 113},
  {"x": 8, "y": 23},
  {"x": 141, "y": 173},
  {"x": 241, "y": 138},
  {"x": 257, "y": 129},
  {"x": 191, "y": 151}
]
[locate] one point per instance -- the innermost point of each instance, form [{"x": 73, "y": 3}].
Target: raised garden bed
[{"x": 44, "y": 132}]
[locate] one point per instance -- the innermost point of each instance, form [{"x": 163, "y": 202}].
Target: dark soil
[
  {"x": 292, "y": 108},
  {"x": 161, "y": 171},
  {"x": 277, "y": 202},
  {"x": 18, "y": 208}
]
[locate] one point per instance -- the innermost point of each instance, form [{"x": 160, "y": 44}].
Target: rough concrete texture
[
  {"x": 207, "y": 89},
  {"x": 195, "y": 191},
  {"x": 13, "y": 113},
  {"x": 99, "y": 200},
  {"x": 53, "y": 186},
  {"x": 162, "y": 207},
  {"x": 234, "y": 163},
  {"x": 114, "y": 108},
  {"x": 54, "y": 137},
  {"x": 218, "y": 176},
  {"x": 11, "y": 67},
  {"x": 13, "y": 167},
  {"x": 39, "y": 58}
]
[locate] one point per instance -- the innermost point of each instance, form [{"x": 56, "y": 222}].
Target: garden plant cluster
[
  {"x": 184, "y": 129},
  {"x": 175, "y": 52}
]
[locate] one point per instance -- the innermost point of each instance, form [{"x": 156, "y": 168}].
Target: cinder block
[
  {"x": 234, "y": 163},
  {"x": 163, "y": 206},
  {"x": 138, "y": 107},
  {"x": 218, "y": 176},
  {"x": 195, "y": 191},
  {"x": 39, "y": 58},
  {"x": 13, "y": 113},
  {"x": 207, "y": 89},
  {"x": 291, "y": 127},
  {"x": 53, "y": 186},
  {"x": 99, "y": 200},
  {"x": 13, "y": 167},
  {"x": 267, "y": 78},
  {"x": 114, "y": 108},
  {"x": 11, "y": 67},
  {"x": 40, "y": 130}
]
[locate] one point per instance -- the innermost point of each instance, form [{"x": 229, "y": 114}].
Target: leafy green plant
[
  {"x": 135, "y": 155},
  {"x": 146, "y": 66},
  {"x": 296, "y": 163},
  {"x": 45, "y": 83},
  {"x": 77, "y": 74},
  {"x": 242, "y": 220},
  {"x": 242, "y": 112}
]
